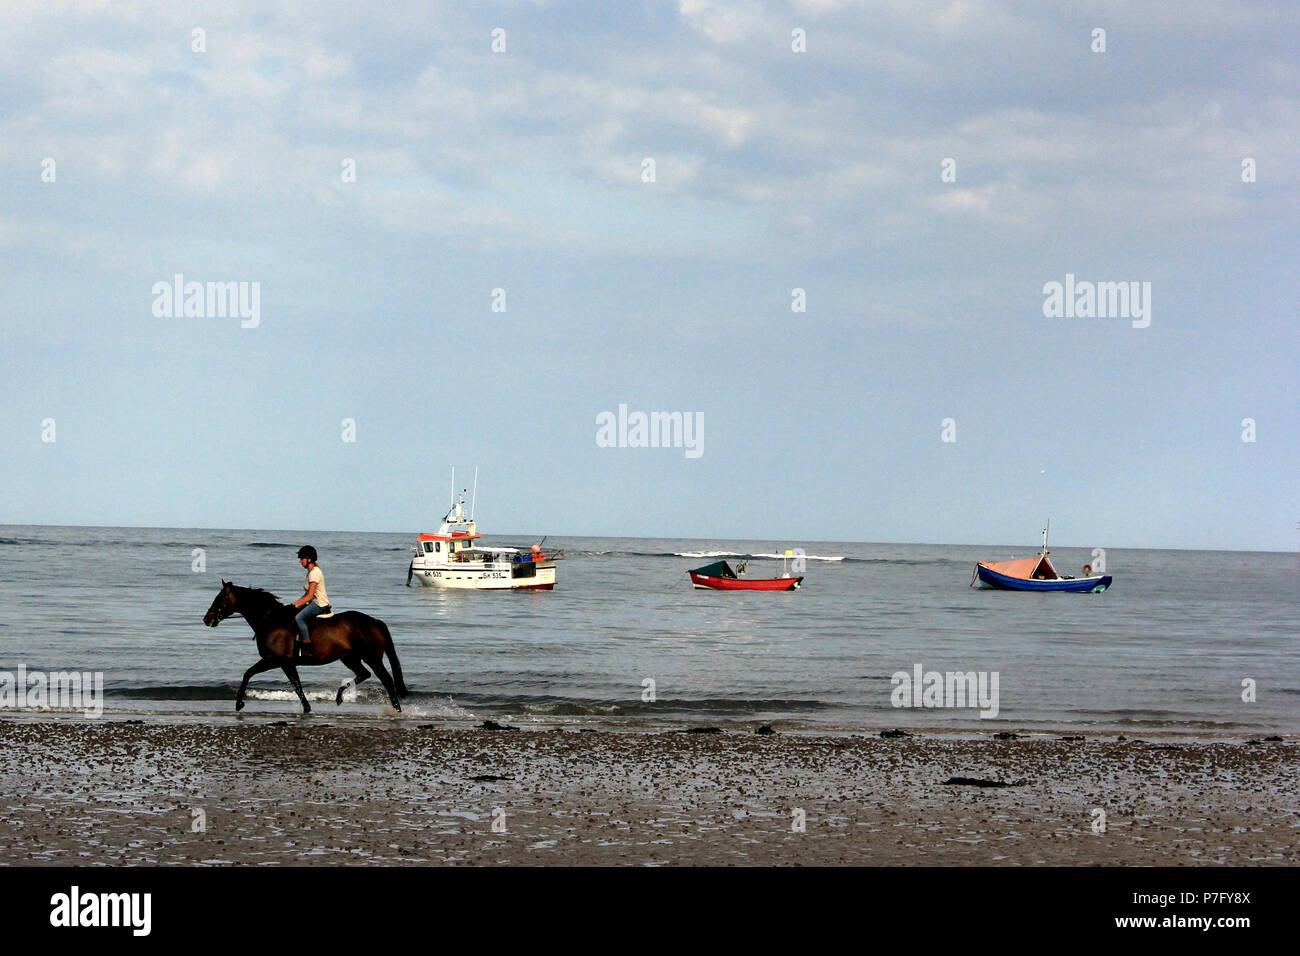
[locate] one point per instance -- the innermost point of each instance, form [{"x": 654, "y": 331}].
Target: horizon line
[{"x": 959, "y": 544}]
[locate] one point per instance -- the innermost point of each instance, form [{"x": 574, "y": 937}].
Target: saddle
[{"x": 311, "y": 626}]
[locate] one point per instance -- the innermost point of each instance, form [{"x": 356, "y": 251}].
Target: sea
[{"x": 1184, "y": 642}]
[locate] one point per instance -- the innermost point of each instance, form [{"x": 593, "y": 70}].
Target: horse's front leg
[
  {"x": 291, "y": 672},
  {"x": 263, "y": 665}
]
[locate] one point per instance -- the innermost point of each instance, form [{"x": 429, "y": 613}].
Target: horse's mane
[{"x": 258, "y": 593}]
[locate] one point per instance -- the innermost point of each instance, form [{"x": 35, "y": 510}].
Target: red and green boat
[{"x": 719, "y": 576}]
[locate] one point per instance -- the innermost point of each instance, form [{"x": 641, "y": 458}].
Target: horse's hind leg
[
  {"x": 291, "y": 672},
  {"x": 357, "y": 668},
  {"x": 377, "y": 665}
]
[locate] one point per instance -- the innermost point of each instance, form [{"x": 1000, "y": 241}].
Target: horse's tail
[{"x": 391, "y": 652}]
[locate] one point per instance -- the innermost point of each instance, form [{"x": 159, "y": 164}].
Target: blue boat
[{"x": 1034, "y": 574}]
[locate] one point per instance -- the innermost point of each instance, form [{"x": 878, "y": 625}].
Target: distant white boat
[{"x": 453, "y": 558}]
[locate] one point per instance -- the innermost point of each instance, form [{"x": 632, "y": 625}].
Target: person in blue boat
[{"x": 314, "y": 600}]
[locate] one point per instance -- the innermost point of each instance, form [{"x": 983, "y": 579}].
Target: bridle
[
  {"x": 257, "y": 622},
  {"x": 223, "y": 612}
]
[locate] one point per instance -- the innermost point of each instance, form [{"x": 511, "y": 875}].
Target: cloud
[
  {"x": 851, "y": 132},
  {"x": 726, "y": 23}
]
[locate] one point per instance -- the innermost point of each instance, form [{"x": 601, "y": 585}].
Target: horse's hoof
[
  {"x": 338, "y": 699},
  {"x": 239, "y": 705},
  {"x": 306, "y": 708}
]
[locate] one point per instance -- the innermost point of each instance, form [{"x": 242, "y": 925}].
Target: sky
[{"x": 475, "y": 229}]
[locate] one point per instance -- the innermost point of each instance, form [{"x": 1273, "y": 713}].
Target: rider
[{"x": 314, "y": 600}]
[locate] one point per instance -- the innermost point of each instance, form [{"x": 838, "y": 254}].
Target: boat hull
[
  {"x": 484, "y": 579},
  {"x": 708, "y": 583},
  {"x": 988, "y": 578}
]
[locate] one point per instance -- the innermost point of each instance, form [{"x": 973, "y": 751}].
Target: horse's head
[{"x": 223, "y": 605}]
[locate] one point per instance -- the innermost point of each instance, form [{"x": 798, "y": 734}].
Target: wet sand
[{"x": 313, "y": 793}]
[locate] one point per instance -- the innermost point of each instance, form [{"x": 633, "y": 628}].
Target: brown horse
[{"x": 354, "y": 638}]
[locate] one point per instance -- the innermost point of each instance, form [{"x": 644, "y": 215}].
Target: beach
[{"x": 306, "y": 791}]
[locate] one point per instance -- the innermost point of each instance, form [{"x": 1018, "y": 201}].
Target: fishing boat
[
  {"x": 1034, "y": 574},
  {"x": 719, "y": 576},
  {"x": 455, "y": 558}
]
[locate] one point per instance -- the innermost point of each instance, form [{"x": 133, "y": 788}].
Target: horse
[{"x": 354, "y": 638}]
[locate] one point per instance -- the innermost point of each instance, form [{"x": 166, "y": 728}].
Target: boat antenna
[
  {"x": 453, "y": 485},
  {"x": 1045, "y": 531},
  {"x": 474, "y": 499}
]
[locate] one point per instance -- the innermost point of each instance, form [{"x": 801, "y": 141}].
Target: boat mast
[
  {"x": 1045, "y": 531},
  {"x": 474, "y": 500}
]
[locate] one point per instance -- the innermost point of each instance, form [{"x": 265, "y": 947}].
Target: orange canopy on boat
[{"x": 1027, "y": 568}]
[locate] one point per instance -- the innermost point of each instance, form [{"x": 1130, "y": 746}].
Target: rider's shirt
[{"x": 317, "y": 575}]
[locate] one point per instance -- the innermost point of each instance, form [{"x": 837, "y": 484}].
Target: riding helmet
[{"x": 308, "y": 552}]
